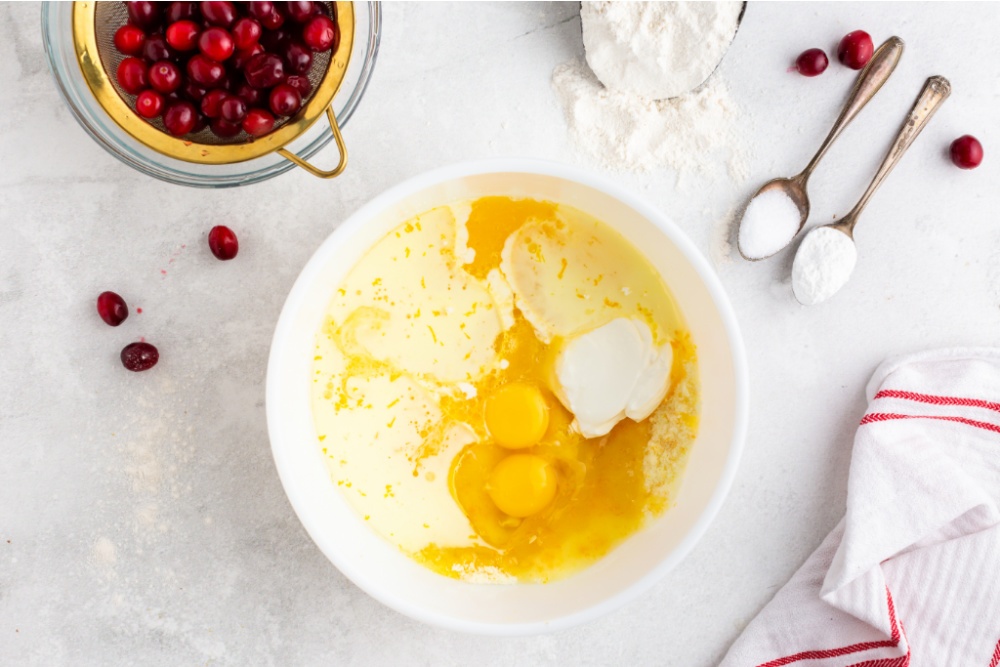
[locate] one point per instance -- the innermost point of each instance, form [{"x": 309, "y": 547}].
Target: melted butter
[{"x": 424, "y": 329}]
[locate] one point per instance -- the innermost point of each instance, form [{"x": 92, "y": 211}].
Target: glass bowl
[{"x": 57, "y": 35}]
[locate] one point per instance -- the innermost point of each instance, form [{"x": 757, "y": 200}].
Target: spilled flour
[{"x": 692, "y": 134}]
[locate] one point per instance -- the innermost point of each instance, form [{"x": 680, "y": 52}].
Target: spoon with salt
[
  {"x": 779, "y": 210},
  {"x": 827, "y": 255}
]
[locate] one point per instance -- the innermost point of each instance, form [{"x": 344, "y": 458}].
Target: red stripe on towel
[
  {"x": 996, "y": 656},
  {"x": 938, "y": 400},
  {"x": 889, "y": 416}
]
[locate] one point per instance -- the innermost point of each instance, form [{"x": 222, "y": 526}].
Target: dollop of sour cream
[{"x": 610, "y": 373}]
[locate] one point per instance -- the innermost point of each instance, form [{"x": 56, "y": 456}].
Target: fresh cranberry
[
  {"x": 298, "y": 57},
  {"x": 224, "y": 129},
  {"x": 258, "y": 122},
  {"x": 181, "y": 11},
  {"x": 180, "y": 118},
  {"x": 218, "y": 13},
  {"x": 285, "y": 100},
  {"x": 216, "y": 43},
  {"x": 812, "y": 62},
  {"x": 233, "y": 109},
  {"x": 300, "y": 84},
  {"x": 320, "y": 34},
  {"x": 204, "y": 70},
  {"x": 149, "y": 104},
  {"x": 246, "y": 33},
  {"x": 222, "y": 241},
  {"x": 139, "y": 356},
  {"x": 193, "y": 92},
  {"x": 243, "y": 56},
  {"x": 183, "y": 35},
  {"x": 273, "y": 20},
  {"x": 275, "y": 41},
  {"x": 132, "y": 75},
  {"x": 966, "y": 152},
  {"x": 157, "y": 48},
  {"x": 300, "y": 11},
  {"x": 111, "y": 308},
  {"x": 248, "y": 94},
  {"x": 165, "y": 76},
  {"x": 856, "y": 49},
  {"x": 211, "y": 102},
  {"x": 145, "y": 15},
  {"x": 264, "y": 70},
  {"x": 130, "y": 40},
  {"x": 260, "y": 8}
]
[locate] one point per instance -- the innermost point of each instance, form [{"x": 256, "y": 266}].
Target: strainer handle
[{"x": 338, "y": 137}]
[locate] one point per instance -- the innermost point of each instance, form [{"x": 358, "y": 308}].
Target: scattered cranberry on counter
[
  {"x": 856, "y": 49},
  {"x": 139, "y": 356},
  {"x": 966, "y": 152},
  {"x": 111, "y": 308},
  {"x": 811, "y": 62},
  {"x": 222, "y": 241}
]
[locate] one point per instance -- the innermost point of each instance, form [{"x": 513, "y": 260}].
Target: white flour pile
[
  {"x": 695, "y": 133},
  {"x": 657, "y": 50}
]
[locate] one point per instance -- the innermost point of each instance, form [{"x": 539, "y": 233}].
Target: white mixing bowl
[{"x": 380, "y": 568}]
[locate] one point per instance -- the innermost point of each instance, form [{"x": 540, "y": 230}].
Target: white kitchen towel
[{"x": 911, "y": 575}]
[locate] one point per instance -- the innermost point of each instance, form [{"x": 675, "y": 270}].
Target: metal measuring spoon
[
  {"x": 815, "y": 276},
  {"x": 869, "y": 82}
]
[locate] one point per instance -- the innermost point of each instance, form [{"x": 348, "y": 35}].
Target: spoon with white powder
[
  {"x": 827, "y": 255},
  {"x": 779, "y": 210}
]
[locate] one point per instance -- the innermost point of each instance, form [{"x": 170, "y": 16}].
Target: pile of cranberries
[
  {"x": 141, "y": 356},
  {"x": 229, "y": 66}
]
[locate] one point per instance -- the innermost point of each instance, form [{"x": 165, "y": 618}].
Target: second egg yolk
[
  {"x": 517, "y": 415},
  {"x": 522, "y": 484}
]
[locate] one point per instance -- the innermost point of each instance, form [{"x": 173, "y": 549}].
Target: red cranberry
[
  {"x": 966, "y": 152},
  {"x": 193, "y": 92},
  {"x": 218, "y": 13},
  {"x": 300, "y": 11},
  {"x": 856, "y": 49},
  {"x": 321, "y": 34},
  {"x": 243, "y": 56},
  {"x": 180, "y": 118},
  {"x": 812, "y": 62},
  {"x": 300, "y": 84},
  {"x": 298, "y": 57},
  {"x": 165, "y": 76},
  {"x": 264, "y": 70},
  {"x": 146, "y": 15},
  {"x": 132, "y": 75},
  {"x": 130, "y": 40},
  {"x": 246, "y": 33},
  {"x": 260, "y": 9},
  {"x": 224, "y": 129},
  {"x": 183, "y": 35},
  {"x": 273, "y": 20},
  {"x": 258, "y": 122},
  {"x": 233, "y": 109},
  {"x": 248, "y": 94},
  {"x": 157, "y": 48},
  {"x": 204, "y": 70},
  {"x": 222, "y": 241},
  {"x": 211, "y": 101},
  {"x": 275, "y": 41},
  {"x": 181, "y": 11},
  {"x": 139, "y": 356},
  {"x": 216, "y": 44},
  {"x": 149, "y": 104},
  {"x": 111, "y": 308},
  {"x": 285, "y": 100}
]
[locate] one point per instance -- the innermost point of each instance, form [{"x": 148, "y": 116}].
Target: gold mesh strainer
[{"x": 94, "y": 26}]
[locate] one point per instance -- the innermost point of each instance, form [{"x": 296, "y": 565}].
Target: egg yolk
[
  {"x": 517, "y": 415},
  {"x": 522, "y": 484}
]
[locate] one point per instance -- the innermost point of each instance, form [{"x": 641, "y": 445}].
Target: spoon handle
[
  {"x": 869, "y": 82},
  {"x": 936, "y": 90}
]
